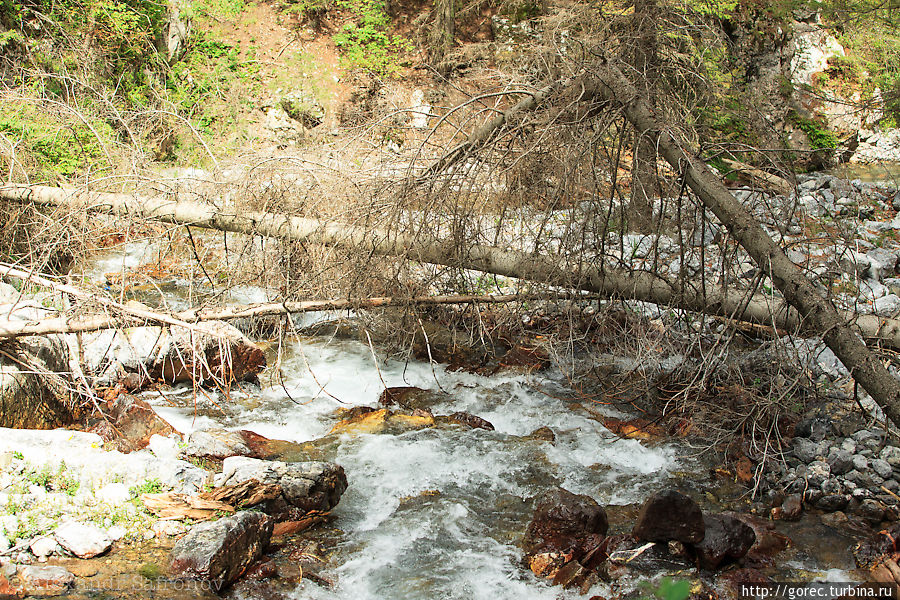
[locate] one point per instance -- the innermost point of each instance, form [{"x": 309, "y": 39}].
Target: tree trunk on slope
[{"x": 644, "y": 59}]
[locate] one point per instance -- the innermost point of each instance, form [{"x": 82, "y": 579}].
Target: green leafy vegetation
[
  {"x": 151, "y": 486},
  {"x": 367, "y": 42},
  {"x": 820, "y": 137},
  {"x": 58, "y": 144}
]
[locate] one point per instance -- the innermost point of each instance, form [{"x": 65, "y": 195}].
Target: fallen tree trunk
[
  {"x": 84, "y": 323},
  {"x": 597, "y": 278},
  {"x": 824, "y": 318}
]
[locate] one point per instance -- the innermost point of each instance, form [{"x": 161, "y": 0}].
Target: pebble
[{"x": 860, "y": 462}]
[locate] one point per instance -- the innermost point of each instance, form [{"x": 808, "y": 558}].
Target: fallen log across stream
[{"x": 603, "y": 279}]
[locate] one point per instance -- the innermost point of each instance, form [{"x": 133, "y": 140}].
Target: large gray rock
[
  {"x": 218, "y": 552},
  {"x": 84, "y": 540},
  {"x": 216, "y": 443},
  {"x": 308, "y": 486},
  {"x": 29, "y": 400},
  {"x": 210, "y": 350}
]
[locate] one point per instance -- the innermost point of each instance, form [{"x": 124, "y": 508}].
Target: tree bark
[
  {"x": 443, "y": 35},
  {"x": 824, "y": 318},
  {"x": 595, "y": 277},
  {"x": 645, "y": 187}
]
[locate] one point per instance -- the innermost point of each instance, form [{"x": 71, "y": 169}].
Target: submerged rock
[
  {"x": 46, "y": 581},
  {"x": 220, "y": 551},
  {"x": 565, "y": 527},
  {"x": 383, "y": 421},
  {"x": 469, "y": 420},
  {"x": 669, "y": 515}
]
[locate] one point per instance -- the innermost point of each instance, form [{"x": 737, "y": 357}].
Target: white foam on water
[{"x": 439, "y": 513}]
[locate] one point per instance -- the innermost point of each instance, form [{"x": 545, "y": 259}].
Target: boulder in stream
[
  {"x": 209, "y": 351},
  {"x": 565, "y": 527},
  {"x": 307, "y": 486},
  {"x": 130, "y": 424},
  {"x": 669, "y": 515},
  {"x": 218, "y": 552}
]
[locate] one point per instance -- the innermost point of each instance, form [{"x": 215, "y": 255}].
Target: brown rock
[
  {"x": 565, "y": 527},
  {"x": 669, "y": 515},
  {"x": 7, "y": 591},
  {"x": 792, "y": 507},
  {"x": 726, "y": 539},
  {"x": 470, "y": 420},
  {"x": 219, "y": 352},
  {"x": 46, "y": 581},
  {"x": 132, "y": 422},
  {"x": 411, "y": 398},
  {"x": 220, "y": 551},
  {"x": 542, "y": 434}
]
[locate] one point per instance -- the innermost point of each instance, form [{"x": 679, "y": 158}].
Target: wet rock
[
  {"x": 870, "y": 551},
  {"x": 384, "y": 421},
  {"x": 131, "y": 423},
  {"x": 768, "y": 542},
  {"x": 84, "y": 540},
  {"x": 726, "y": 539},
  {"x": 542, "y": 434},
  {"x": 870, "y": 510},
  {"x": 46, "y": 581},
  {"x": 470, "y": 420},
  {"x": 565, "y": 527},
  {"x": 216, "y": 443},
  {"x": 220, "y": 551},
  {"x": 308, "y": 486},
  {"x": 832, "y": 502},
  {"x": 669, "y": 515},
  {"x": 412, "y": 398}
]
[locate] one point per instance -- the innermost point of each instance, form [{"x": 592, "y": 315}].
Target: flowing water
[{"x": 437, "y": 513}]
